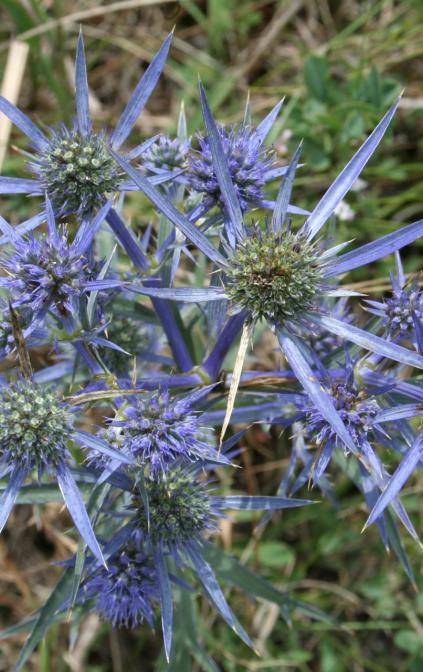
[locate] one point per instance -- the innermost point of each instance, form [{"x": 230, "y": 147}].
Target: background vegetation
[{"x": 339, "y": 63}]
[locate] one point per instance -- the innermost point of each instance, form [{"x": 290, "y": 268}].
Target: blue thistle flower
[
  {"x": 355, "y": 406},
  {"x": 36, "y": 429},
  {"x": 75, "y": 166},
  {"x": 172, "y": 516},
  {"x": 156, "y": 430},
  {"x": 125, "y": 592},
  {"x": 49, "y": 273},
  {"x": 403, "y": 309},
  {"x": 43, "y": 274}
]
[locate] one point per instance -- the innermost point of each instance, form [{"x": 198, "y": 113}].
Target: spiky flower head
[
  {"x": 34, "y": 426},
  {"x": 125, "y": 592},
  {"x": 250, "y": 164},
  {"x": 157, "y": 429},
  {"x": 356, "y": 407},
  {"x": 45, "y": 274},
  {"x": 76, "y": 171},
  {"x": 400, "y": 308},
  {"x": 166, "y": 154},
  {"x": 179, "y": 509},
  {"x": 276, "y": 277}
]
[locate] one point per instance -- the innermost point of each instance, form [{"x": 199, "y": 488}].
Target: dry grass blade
[
  {"x": 10, "y": 88},
  {"x": 236, "y": 376}
]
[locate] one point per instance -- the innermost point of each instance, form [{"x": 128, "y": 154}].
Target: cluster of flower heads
[{"x": 127, "y": 365}]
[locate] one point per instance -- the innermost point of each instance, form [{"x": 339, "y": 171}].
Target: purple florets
[
  {"x": 124, "y": 592},
  {"x": 44, "y": 274},
  {"x": 250, "y": 165},
  {"x": 399, "y": 310},
  {"x": 356, "y": 409},
  {"x": 156, "y": 430}
]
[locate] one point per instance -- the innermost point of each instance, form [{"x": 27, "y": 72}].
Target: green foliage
[{"x": 334, "y": 115}]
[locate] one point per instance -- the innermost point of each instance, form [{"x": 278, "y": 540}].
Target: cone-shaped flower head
[
  {"x": 125, "y": 592},
  {"x": 77, "y": 170},
  {"x": 274, "y": 276},
  {"x": 403, "y": 310},
  {"x": 45, "y": 273},
  {"x": 179, "y": 509},
  {"x": 34, "y": 427},
  {"x": 400, "y": 308}
]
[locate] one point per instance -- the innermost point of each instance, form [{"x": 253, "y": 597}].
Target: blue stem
[
  {"x": 164, "y": 310},
  {"x": 213, "y": 364}
]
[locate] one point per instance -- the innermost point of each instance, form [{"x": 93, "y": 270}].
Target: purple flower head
[
  {"x": 49, "y": 273},
  {"x": 166, "y": 154},
  {"x": 34, "y": 427},
  {"x": 400, "y": 311},
  {"x": 251, "y": 166},
  {"x": 157, "y": 429},
  {"x": 46, "y": 274},
  {"x": 124, "y": 593},
  {"x": 356, "y": 407},
  {"x": 74, "y": 166}
]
